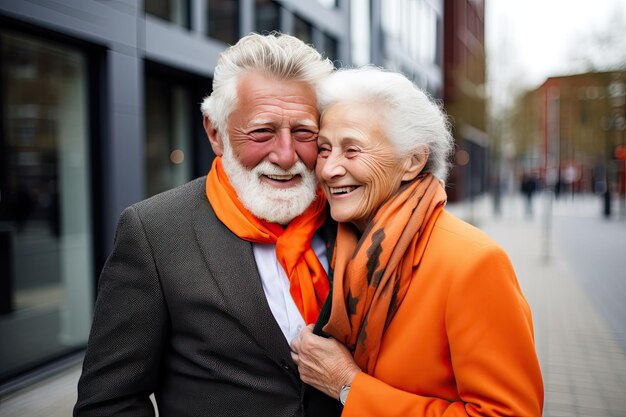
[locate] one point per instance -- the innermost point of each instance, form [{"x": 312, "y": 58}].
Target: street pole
[
  {"x": 620, "y": 155},
  {"x": 623, "y": 199},
  {"x": 607, "y": 179},
  {"x": 553, "y": 146},
  {"x": 616, "y": 148}
]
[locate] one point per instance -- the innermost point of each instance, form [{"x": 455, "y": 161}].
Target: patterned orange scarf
[
  {"x": 372, "y": 273},
  {"x": 308, "y": 282}
]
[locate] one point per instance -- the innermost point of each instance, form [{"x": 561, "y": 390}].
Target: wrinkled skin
[
  {"x": 323, "y": 363},
  {"x": 357, "y": 165},
  {"x": 269, "y": 147},
  {"x": 275, "y": 121}
]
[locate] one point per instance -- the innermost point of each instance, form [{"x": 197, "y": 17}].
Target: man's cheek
[
  {"x": 307, "y": 152},
  {"x": 250, "y": 154}
]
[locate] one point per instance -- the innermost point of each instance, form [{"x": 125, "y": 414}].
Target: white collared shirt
[{"x": 276, "y": 285}]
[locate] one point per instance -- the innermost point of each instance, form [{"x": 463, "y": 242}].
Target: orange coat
[{"x": 462, "y": 340}]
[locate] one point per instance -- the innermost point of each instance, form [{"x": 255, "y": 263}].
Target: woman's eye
[
  {"x": 351, "y": 152},
  {"x": 323, "y": 152}
]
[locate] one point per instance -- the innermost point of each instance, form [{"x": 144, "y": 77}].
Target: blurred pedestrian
[
  {"x": 528, "y": 186},
  {"x": 208, "y": 283},
  {"x": 427, "y": 315}
]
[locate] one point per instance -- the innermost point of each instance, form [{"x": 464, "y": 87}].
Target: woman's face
[{"x": 356, "y": 164}]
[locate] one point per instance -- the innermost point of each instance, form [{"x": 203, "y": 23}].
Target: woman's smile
[
  {"x": 356, "y": 164},
  {"x": 336, "y": 191}
]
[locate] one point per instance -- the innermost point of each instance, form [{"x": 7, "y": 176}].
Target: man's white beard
[{"x": 276, "y": 205}]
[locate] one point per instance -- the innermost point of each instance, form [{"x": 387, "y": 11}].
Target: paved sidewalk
[
  {"x": 52, "y": 397},
  {"x": 582, "y": 359}
]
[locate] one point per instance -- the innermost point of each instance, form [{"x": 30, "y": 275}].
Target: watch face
[{"x": 343, "y": 394}]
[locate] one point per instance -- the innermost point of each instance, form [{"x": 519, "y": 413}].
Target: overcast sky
[{"x": 530, "y": 40}]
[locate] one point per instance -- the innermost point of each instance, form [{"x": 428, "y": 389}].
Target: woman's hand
[{"x": 323, "y": 363}]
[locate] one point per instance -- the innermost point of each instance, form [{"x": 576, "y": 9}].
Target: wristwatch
[{"x": 343, "y": 393}]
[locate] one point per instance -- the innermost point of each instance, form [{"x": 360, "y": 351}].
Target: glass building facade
[
  {"x": 174, "y": 11},
  {"x": 99, "y": 108},
  {"x": 407, "y": 36},
  {"x": 168, "y": 150},
  {"x": 45, "y": 206}
]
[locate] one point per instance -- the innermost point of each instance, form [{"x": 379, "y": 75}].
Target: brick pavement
[{"x": 582, "y": 360}]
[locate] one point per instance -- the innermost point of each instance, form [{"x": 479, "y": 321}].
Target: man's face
[
  {"x": 271, "y": 149},
  {"x": 274, "y": 121}
]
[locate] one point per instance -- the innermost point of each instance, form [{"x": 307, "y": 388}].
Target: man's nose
[{"x": 283, "y": 152}]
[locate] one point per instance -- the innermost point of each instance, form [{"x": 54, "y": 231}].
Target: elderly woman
[{"x": 427, "y": 316}]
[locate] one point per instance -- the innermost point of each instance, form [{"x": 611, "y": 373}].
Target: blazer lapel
[{"x": 231, "y": 263}]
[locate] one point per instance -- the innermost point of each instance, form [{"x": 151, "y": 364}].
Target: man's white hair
[
  {"x": 276, "y": 55},
  {"x": 411, "y": 118}
]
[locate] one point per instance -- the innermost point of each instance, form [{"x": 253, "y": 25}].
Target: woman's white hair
[
  {"x": 279, "y": 56},
  {"x": 411, "y": 118}
]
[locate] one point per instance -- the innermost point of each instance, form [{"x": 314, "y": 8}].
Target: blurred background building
[
  {"x": 100, "y": 108},
  {"x": 570, "y": 135},
  {"x": 465, "y": 96}
]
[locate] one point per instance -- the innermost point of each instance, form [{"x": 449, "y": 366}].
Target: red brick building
[{"x": 464, "y": 95}]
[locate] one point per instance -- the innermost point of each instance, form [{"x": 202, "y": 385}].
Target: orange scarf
[
  {"x": 308, "y": 282},
  {"x": 372, "y": 273}
]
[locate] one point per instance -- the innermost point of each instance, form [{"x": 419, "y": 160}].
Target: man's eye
[
  {"x": 303, "y": 135},
  {"x": 261, "y": 135}
]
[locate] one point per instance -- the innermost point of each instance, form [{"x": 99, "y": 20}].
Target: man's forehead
[
  {"x": 299, "y": 122},
  {"x": 256, "y": 85}
]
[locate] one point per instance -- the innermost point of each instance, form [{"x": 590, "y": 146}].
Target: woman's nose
[{"x": 330, "y": 167}]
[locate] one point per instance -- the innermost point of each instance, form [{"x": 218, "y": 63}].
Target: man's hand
[{"x": 323, "y": 363}]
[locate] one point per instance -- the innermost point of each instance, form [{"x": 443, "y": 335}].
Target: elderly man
[{"x": 208, "y": 283}]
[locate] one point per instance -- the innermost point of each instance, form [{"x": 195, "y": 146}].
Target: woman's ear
[
  {"x": 215, "y": 139},
  {"x": 415, "y": 164}
]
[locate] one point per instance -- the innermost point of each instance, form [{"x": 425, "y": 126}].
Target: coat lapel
[{"x": 231, "y": 263}]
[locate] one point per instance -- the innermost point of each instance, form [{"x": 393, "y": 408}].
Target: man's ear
[
  {"x": 215, "y": 139},
  {"x": 415, "y": 164}
]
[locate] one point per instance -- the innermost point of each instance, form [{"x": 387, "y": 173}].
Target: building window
[
  {"x": 302, "y": 30},
  {"x": 223, "y": 20},
  {"x": 330, "y": 49},
  {"x": 46, "y": 272},
  {"x": 174, "y": 11},
  {"x": 427, "y": 50},
  {"x": 169, "y": 121},
  {"x": 392, "y": 19},
  {"x": 329, "y": 4},
  {"x": 266, "y": 16}
]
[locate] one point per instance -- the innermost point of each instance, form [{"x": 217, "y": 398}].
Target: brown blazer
[{"x": 181, "y": 313}]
